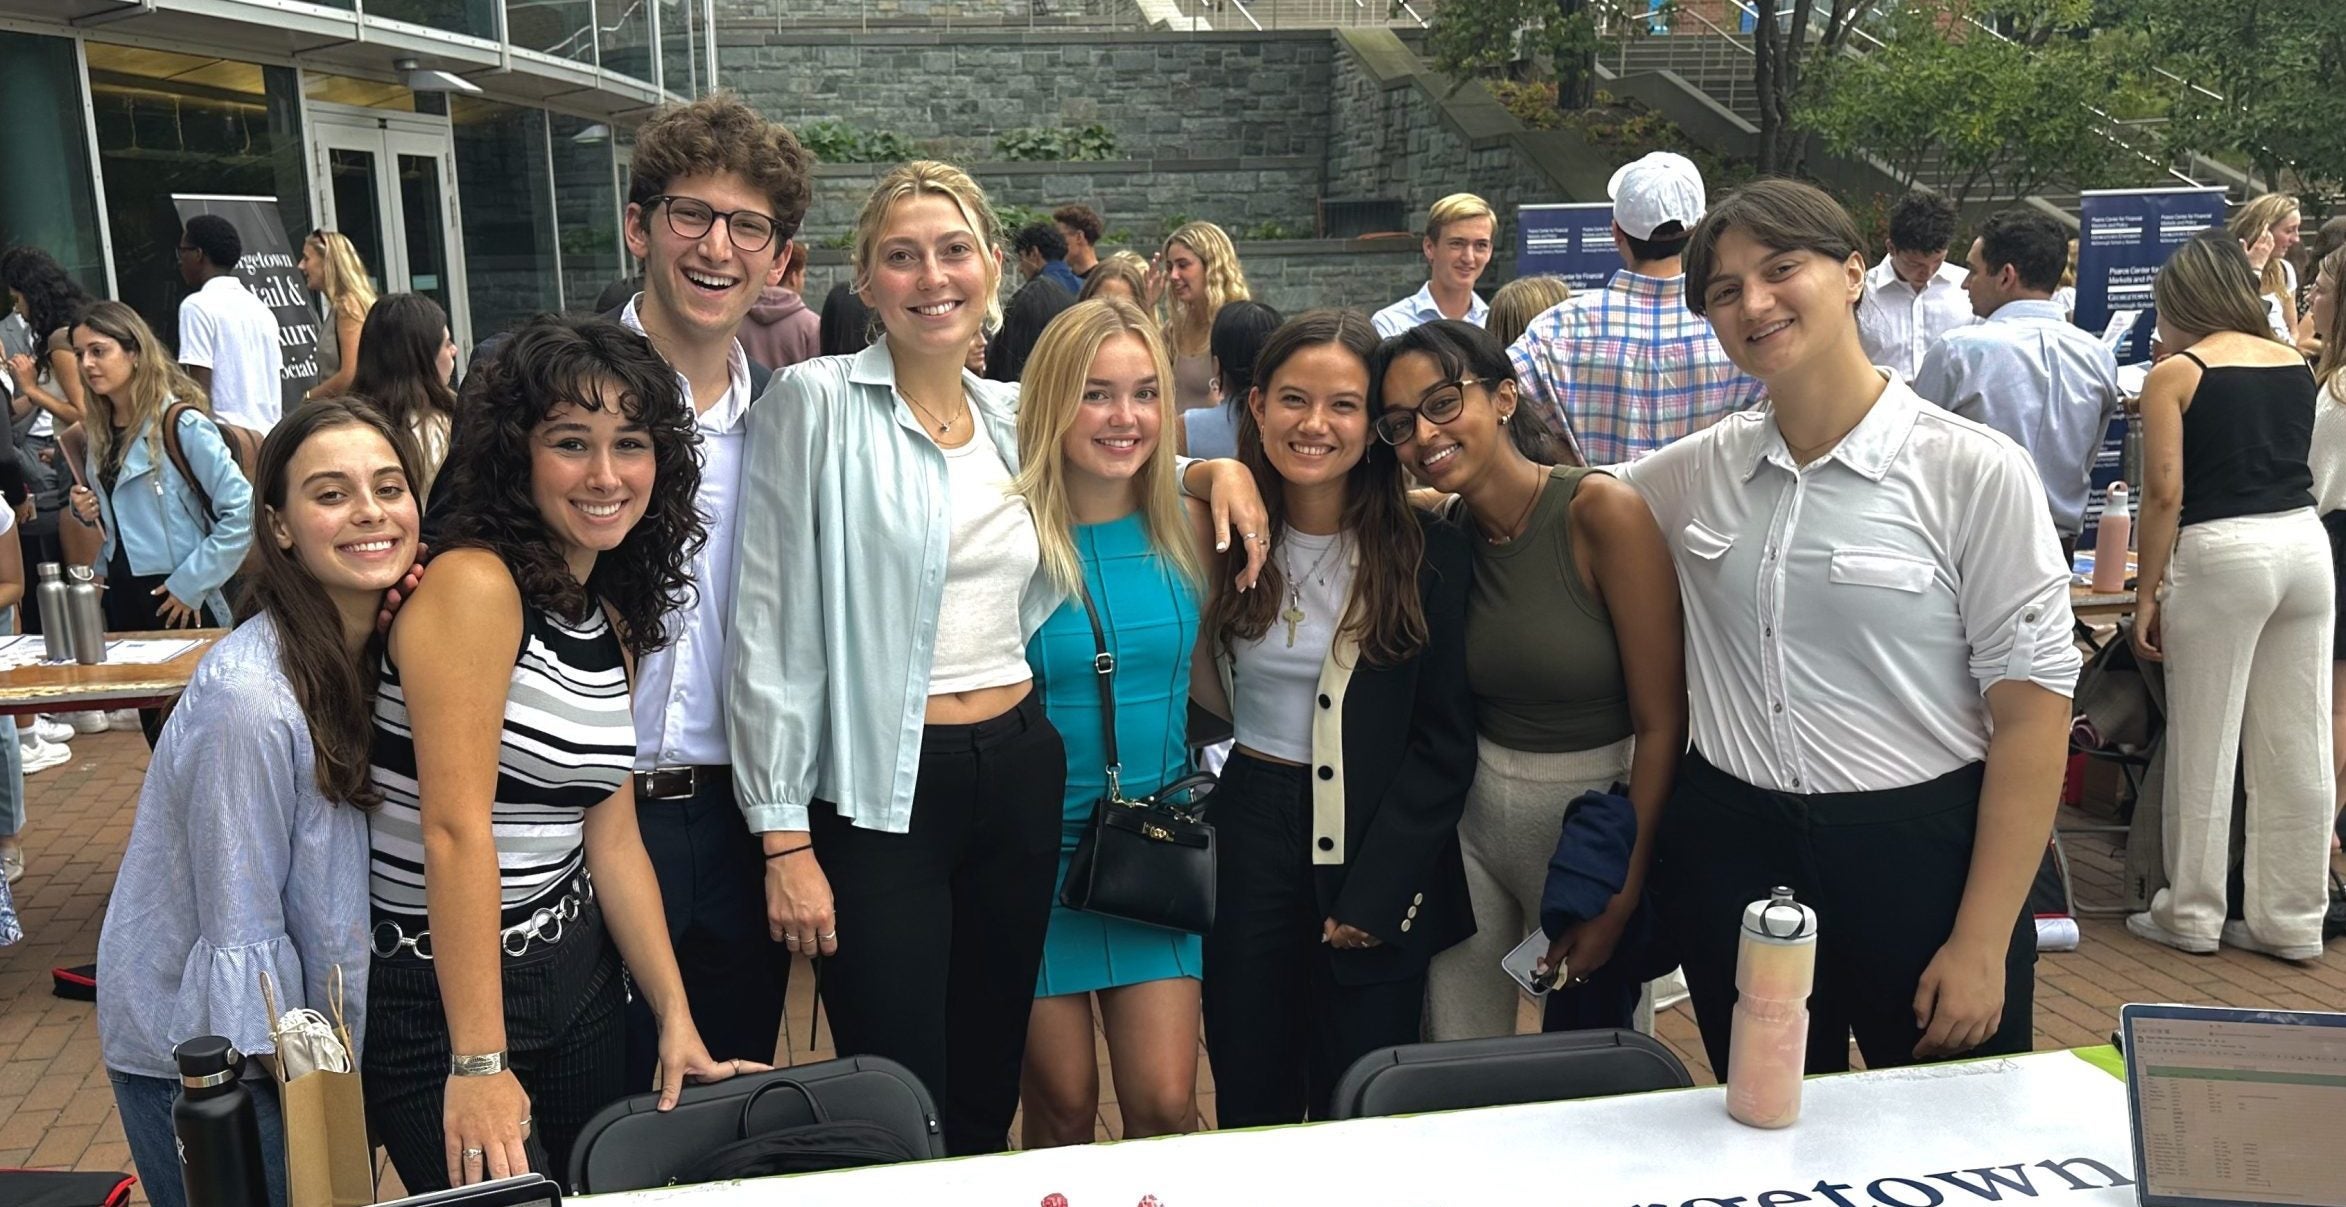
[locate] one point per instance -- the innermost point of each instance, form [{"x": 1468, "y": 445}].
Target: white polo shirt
[
  {"x": 1845, "y": 619},
  {"x": 224, "y": 328}
]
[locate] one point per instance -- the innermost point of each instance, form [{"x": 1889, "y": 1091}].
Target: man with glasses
[{"x": 227, "y": 337}]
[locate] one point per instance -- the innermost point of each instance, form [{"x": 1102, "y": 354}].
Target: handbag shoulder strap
[{"x": 1104, "y": 670}]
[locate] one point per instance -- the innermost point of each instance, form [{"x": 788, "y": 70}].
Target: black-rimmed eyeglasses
[
  {"x": 691, "y": 219},
  {"x": 1398, "y": 425}
]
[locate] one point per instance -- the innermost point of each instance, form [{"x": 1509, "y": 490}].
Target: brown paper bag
[{"x": 326, "y": 1151}]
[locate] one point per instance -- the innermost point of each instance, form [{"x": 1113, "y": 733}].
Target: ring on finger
[
  {"x": 475, "y": 1154},
  {"x": 829, "y": 935}
]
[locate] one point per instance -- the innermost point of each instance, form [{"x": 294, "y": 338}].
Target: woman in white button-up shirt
[{"x": 1878, "y": 660}]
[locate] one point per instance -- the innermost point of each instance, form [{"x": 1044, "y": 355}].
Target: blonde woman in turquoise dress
[{"x": 1094, "y": 434}]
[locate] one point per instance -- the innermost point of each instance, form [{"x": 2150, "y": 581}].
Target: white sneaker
[
  {"x": 40, "y": 755},
  {"x": 122, "y": 720},
  {"x": 53, "y": 730},
  {"x": 2237, "y": 934},
  {"x": 2142, "y": 927},
  {"x": 87, "y": 722}
]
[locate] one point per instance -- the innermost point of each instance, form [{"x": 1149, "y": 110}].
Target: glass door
[{"x": 387, "y": 181}]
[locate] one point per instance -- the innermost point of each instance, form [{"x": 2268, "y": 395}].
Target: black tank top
[{"x": 2246, "y": 436}]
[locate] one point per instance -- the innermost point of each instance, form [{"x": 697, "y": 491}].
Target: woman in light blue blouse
[{"x": 249, "y": 851}]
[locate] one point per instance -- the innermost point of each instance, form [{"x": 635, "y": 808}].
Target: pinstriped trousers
[{"x": 564, "y": 1036}]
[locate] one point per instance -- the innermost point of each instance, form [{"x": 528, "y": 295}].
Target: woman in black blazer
[{"x": 1344, "y": 674}]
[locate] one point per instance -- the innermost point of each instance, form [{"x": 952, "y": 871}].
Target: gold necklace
[
  {"x": 1293, "y": 616},
  {"x": 944, "y": 426},
  {"x": 1516, "y": 529}
]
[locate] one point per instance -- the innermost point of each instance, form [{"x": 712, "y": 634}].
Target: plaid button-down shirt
[{"x": 1626, "y": 369}]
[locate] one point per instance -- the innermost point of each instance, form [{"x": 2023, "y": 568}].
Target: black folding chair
[{"x": 1551, "y": 1067}]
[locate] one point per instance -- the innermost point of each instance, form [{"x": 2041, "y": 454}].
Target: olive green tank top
[{"x": 1540, "y": 653}]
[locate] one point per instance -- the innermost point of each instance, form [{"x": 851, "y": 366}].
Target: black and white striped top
[{"x": 567, "y": 745}]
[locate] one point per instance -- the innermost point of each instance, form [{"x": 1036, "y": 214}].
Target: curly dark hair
[
  {"x": 548, "y": 362},
  {"x": 51, "y": 296}
]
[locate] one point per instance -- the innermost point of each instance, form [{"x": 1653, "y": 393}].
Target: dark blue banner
[
  {"x": 1573, "y": 241},
  {"x": 2124, "y": 236}
]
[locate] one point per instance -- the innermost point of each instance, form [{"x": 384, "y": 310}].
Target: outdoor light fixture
[{"x": 417, "y": 78}]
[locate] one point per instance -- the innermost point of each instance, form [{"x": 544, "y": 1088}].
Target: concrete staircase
[{"x": 1240, "y": 15}]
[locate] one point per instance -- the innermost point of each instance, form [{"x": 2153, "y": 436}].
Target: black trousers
[
  {"x": 563, "y": 1038},
  {"x": 713, "y": 888},
  {"x": 1280, "y": 1027},
  {"x": 1885, "y": 873},
  {"x": 130, "y": 605},
  {"x": 941, "y": 927}
]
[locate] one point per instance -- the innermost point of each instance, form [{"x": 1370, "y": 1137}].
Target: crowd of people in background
[{"x": 1755, "y": 561}]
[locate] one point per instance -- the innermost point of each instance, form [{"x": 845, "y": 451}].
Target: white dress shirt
[
  {"x": 680, "y": 690},
  {"x": 2052, "y": 387},
  {"x": 1897, "y": 323},
  {"x": 224, "y": 328},
  {"x": 1844, "y": 620},
  {"x": 1420, "y": 307}
]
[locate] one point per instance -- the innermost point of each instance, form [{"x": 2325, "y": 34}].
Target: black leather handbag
[{"x": 1149, "y": 860}]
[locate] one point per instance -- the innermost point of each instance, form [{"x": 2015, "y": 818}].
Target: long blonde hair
[
  {"x": 2207, "y": 286},
  {"x": 1189, "y": 326},
  {"x": 2251, "y": 221},
  {"x": 344, "y": 281},
  {"x": 156, "y": 381},
  {"x": 1048, "y": 404},
  {"x": 929, "y": 177},
  {"x": 2331, "y": 369}
]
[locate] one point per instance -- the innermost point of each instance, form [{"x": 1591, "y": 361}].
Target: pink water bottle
[
  {"x": 1767, "y": 1052},
  {"x": 2110, "y": 541}
]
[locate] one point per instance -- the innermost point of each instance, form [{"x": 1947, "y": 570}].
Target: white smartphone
[{"x": 1522, "y": 966}]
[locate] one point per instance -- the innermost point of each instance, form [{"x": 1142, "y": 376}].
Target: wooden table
[
  {"x": 72, "y": 687},
  {"x": 2089, "y": 606}
]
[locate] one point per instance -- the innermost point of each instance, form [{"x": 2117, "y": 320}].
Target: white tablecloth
[{"x": 2047, "y": 1128}]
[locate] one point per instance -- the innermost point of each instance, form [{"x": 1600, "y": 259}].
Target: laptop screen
[{"x": 2241, "y": 1108}]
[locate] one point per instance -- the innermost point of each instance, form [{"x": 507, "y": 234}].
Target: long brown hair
[
  {"x": 2331, "y": 368},
  {"x": 334, "y": 692},
  {"x": 1385, "y": 614},
  {"x": 156, "y": 381},
  {"x": 2207, "y": 286}
]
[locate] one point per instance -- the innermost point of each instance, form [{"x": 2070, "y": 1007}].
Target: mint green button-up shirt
[{"x": 839, "y": 581}]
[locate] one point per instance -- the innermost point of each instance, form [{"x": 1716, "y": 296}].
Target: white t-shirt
[
  {"x": 224, "y": 328},
  {"x": 991, "y": 558}
]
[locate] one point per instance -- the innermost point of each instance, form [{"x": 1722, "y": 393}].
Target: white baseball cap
[{"x": 1660, "y": 188}]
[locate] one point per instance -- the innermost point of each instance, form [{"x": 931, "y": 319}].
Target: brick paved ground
[{"x": 57, "y": 1111}]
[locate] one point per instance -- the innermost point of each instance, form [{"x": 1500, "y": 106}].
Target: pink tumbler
[{"x": 1768, "y": 1049}]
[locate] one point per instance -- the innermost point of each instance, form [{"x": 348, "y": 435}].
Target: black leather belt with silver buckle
[{"x": 679, "y": 783}]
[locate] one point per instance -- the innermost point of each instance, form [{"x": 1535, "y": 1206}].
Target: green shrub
[
  {"x": 1092, "y": 143},
  {"x": 838, "y": 142}
]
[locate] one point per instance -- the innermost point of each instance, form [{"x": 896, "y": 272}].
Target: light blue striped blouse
[{"x": 237, "y": 865}]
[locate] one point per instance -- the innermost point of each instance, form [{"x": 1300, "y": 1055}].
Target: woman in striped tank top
[{"x": 507, "y": 842}]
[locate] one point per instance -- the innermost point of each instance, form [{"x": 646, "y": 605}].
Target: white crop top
[
  {"x": 1273, "y": 682},
  {"x": 992, "y": 557}
]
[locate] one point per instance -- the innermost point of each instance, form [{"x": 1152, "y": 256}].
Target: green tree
[
  {"x": 1472, "y": 38},
  {"x": 2263, "y": 79},
  {"x": 1944, "y": 101},
  {"x": 1790, "y": 38}
]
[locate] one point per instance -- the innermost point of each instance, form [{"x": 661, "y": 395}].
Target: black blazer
[{"x": 1402, "y": 750}]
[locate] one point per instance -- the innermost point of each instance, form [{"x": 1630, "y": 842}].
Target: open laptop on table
[{"x": 2236, "y": 1108}]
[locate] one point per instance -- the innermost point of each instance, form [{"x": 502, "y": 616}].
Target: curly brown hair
[
  {"x": 721, "y": 133},
  {"x": 551, "y": 361}
]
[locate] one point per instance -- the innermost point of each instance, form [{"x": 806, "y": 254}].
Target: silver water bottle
[
  {"x": 86, "y": 620},
  {"x": 50, "y": 593}
]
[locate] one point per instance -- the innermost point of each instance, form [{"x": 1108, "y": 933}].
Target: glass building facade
[{"x": 499, "y": 203}]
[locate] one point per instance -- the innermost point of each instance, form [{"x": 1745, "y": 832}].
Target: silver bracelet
[{"x": 486, "y": 1065}]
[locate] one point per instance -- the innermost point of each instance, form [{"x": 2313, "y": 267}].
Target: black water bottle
[{"x": 219, "y": 1132}]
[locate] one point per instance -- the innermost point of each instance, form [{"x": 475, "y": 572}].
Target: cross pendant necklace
[{"x": 1293, "y": 614}]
